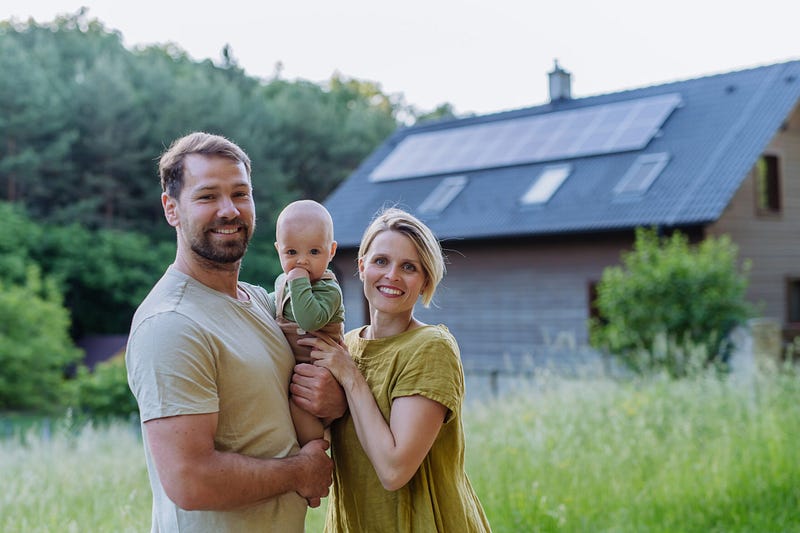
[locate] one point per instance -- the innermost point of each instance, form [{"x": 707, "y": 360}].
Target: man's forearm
[
  {"x": 229, "y": 481},
  {"x": 197, "y": 476}
]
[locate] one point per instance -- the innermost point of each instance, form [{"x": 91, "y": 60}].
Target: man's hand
[
  {"x": 317, "y": 473},
  {"x": 315, "y": 390}
]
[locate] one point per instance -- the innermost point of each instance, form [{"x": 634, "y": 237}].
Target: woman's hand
[{"x": 327, "y": 353}]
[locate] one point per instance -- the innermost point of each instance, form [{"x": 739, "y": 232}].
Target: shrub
[
  {"x": 670, "y": 300},
  {"x": 35, "y": 347},
  {"x": 104, "y": 393}
]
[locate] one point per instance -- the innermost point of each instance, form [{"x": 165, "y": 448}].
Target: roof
[
  {"x": 707, "y": 134},
  {"x": 99, "y": 348}
]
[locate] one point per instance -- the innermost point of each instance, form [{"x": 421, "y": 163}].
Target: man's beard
[{"x": 227, "y": 253}]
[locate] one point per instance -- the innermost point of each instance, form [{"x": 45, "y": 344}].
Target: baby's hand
[{"x": 297, "y": 272}]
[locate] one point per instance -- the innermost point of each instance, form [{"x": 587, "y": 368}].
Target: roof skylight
[
  {"x": 546, "y": 184},
  {"x": 642, "y": 174},
  {"x": 442, "y": 195}
]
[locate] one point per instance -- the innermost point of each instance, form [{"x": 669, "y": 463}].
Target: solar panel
[{"x": 602, "y": 129}]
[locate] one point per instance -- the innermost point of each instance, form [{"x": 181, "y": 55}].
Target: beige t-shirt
[
  {"x": 439, "y": 497},
  {"x": 194, "y": 350}
]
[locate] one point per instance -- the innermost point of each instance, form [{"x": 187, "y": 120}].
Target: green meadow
[{"x": 705, "y": 454}]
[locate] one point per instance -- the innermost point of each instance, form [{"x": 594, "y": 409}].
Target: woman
[{"x": 399, "y": 451}]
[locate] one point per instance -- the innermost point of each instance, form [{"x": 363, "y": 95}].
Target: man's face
[{"x": 215, "y": 214}]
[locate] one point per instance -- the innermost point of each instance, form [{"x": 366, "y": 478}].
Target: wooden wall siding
[
  {"x": 508, "y": 298},
  {"x": 771, "y": 243}
]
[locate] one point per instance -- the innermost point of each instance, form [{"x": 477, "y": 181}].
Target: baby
[{"x": 307, "y": 295}]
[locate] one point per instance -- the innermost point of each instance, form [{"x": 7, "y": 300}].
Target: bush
[
  {"x": 104, "y": 393},
  {"x": 18, "y": 236},
  {"x": 669, "y": 300},
  {"x": 35, "y": 347}
]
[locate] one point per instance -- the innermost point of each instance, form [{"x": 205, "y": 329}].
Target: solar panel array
[{"x": 595, "y": 130}]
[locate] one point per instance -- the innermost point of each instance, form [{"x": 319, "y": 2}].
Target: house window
[
  {"x": 442, "y": 195},
  {"x": 642, "y": 174},
  {"x": 768, "y": 193},
  {"x": 793, "y": 304},
  {"x": 546, "y": 184}
]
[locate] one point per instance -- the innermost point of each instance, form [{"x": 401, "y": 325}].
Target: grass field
[{"x": 700, "y": 455}]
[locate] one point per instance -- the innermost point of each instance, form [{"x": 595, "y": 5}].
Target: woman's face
[{"x": 392, "y": 273}]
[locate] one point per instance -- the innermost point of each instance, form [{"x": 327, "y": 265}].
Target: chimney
[{"x": 560, "y": 83}]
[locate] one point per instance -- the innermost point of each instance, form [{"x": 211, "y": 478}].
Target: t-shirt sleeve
[
  {"x": 433, "y": 371},
  {"x": 171, "y": 368}
]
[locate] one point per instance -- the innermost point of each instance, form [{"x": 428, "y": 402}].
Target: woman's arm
[{"x": 396, "y": 450}]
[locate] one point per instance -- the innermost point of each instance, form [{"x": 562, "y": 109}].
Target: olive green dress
[{"x": 439, "y": 497}]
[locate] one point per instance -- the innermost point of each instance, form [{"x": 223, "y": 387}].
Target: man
[{"x": 210, "y": 368}]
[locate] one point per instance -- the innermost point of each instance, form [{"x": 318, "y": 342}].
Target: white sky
[{"x": 481, "y": 56}]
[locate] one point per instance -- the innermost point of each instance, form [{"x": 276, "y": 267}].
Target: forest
[{"x": 83, "y": 121}]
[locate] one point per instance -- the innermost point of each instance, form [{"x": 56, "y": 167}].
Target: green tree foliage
[
  {"x": 18, "y": 234},
  {"x": 442, "y": 112},
  {"x": 103, "y": 273},
  {"x": 671, "y": 301},
  {"x": 84, "y": 120},
  {"x": 35, "y": 347},
  {"x": 35, "y": 134},
  {"x": 104, "y": 392}
]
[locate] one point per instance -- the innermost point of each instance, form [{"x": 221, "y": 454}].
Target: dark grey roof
[{"x": 713, "y": 139}]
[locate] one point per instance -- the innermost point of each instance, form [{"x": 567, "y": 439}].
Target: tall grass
[
  {"x": 69, "y": 479},
  {"x": 655, "y": 455},
  {"x": 703, "y": 454}
]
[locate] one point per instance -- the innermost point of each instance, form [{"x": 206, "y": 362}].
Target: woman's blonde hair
[{"x": 427, "y": 245}]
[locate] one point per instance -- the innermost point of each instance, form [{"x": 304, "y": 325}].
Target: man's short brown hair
[{"x": 170, "y": 166}]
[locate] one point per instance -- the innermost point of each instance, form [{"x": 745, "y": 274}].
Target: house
[
  {"x": 101, "y": 348},
  {"x": 532, "y": 204}
]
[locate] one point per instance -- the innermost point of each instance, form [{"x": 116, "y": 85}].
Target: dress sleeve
[{"x": 433, "y": 370}]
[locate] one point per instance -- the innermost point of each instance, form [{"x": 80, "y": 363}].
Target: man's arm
[
  {"x": 315, "y": 390},
  {"x": 198, "y": 477}
]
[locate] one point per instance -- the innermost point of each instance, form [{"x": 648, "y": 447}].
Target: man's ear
[{"x": 170, "y": 206}]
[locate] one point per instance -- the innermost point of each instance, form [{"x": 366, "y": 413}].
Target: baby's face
[{"x": 306, "y": 246}]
